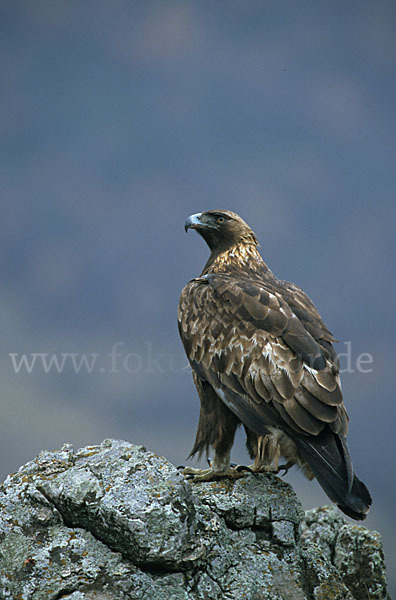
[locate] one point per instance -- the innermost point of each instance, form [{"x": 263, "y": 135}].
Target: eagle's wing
[{"x": 245, "y": 340}]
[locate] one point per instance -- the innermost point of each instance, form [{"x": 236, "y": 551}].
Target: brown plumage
[{"x": 262, "y": 356}]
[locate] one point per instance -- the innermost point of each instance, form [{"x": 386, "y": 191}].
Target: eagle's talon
[
  {"x": 284, "y": 468},
  {"x": 180, "y": 467},
  {"x": 241, "y": 468},
  {"x": 249, "y": 470}
]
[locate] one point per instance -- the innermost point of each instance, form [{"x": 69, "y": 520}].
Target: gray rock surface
[{"x": 117, "y": 522}]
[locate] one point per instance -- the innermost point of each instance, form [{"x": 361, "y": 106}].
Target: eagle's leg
[
  {"x": 216, "y": 428},
  {"x": 266, "y": 451}
]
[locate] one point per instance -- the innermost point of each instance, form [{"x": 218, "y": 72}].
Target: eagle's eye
[{"x": 220, "y": 219}]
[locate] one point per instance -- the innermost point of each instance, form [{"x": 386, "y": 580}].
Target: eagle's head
[{"x": 221, "y": 229}]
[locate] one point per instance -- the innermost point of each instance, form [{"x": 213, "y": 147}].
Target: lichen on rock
[{"x": 115, "y": 521}]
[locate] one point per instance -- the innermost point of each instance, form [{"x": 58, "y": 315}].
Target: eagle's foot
[
  {"x": 211, "y": 474},
  {"x": 274, "y": 469}
]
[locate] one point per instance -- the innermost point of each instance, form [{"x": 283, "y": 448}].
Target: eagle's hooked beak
[{"x": 193, "y": 222}]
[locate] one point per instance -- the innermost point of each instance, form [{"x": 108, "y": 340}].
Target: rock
[
  {"x": 117, "y": 522},
  {"x": 355, "y": 551}
]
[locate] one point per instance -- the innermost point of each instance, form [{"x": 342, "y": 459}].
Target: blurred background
[{"x": 118, "y": 120}]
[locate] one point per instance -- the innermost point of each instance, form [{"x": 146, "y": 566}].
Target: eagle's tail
[{"x": 328, "y": 457}]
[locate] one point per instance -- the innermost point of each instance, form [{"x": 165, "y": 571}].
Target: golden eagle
[{"x": 262, "y": 356}]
